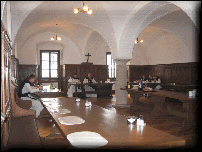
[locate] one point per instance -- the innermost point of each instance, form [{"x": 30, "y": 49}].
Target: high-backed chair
[{"x": 20, "y": 107}]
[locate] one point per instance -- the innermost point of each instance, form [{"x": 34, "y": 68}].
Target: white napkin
[
  {"x": 54, "y": 110},
  {"x": 64, "y": 111},
  {"x": 52, "y": 104},
  {"x": 93, "y": 80},
  {"x": 86, "y": 139},
  {"x": 71, "y": 120}
]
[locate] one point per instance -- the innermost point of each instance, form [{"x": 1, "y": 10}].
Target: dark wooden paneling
[
  {"x": 86, "y": 68},
  {"x": 99, "y": 72},
  {"x": 181, "y": 73},
  {"x": 25, "y": 71},
  {"x": 70, "y": 69}
]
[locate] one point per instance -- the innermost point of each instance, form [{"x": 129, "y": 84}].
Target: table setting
[{"x": 86, "y": 125}]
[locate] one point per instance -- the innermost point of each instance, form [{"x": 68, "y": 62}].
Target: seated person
[
  {"x": 150, "y": 78},
  {"x": 157, "y": 79},
  {"x": 90, "y": 79},
  {"x": 27, "y": 87},
  {"x": 143, "y": 78},
  {"x": 36, "y": 83},
  {"x": 75, "y": 76}
]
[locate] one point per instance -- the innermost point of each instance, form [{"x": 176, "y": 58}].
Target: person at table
[
  {"x": 157, "y": 79},
  {"x": 150, "y": 78},
  {"x": 90, "y": 80},
  {"x": 75, "y": 76},
  {"x": 143, "y": 78},
  {"x": 36, "y": 83},
  {"x": 27, "y": 87}
]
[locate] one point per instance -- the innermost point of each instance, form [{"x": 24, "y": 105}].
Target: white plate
[
  {"x": 71, "y": 120},
  {"x": 64, "y": 111},
  {"x": 86, "y": 139}
]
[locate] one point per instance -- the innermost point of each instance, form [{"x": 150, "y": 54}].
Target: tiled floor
[{"x": 166, "y": 122}]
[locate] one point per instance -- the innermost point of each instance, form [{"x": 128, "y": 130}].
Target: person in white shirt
[
  {"x": 28, "y": 87},
  {"x": 157, "y": 79}
]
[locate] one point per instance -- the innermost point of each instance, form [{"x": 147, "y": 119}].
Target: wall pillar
[{"x": 121, "y": 82}]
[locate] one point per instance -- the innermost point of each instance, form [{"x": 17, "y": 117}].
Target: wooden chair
[{"x": 20, "y": 107}]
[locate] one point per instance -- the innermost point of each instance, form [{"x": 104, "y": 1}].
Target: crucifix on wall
[{"x": 88, "y": 57}]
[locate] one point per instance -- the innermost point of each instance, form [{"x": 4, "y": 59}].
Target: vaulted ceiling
[{"x": 118, "y": 22}]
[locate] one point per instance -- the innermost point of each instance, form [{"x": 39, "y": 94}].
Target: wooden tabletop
[
  {"x": 171, "y": 94},
  {"x": 112, "y": 126},
  {"x": 74, "y": 83},
  {"x": 50, "y": 93}
]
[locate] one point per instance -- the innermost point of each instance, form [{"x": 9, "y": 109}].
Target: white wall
[
  {"x": 30, "y": 52},
  {"x": 172, "y": 39},
  {"x": 97, "y": 47},
  {"x": 6, "y": 16},
  {"x": 70, "y": 53}
]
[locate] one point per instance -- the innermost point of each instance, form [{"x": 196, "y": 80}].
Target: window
[
  {"x": 111, "y": 65},
  {"x": 49, "y": 63}
]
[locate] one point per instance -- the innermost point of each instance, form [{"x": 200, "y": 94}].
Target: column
[{"x": 121, "y": 82}]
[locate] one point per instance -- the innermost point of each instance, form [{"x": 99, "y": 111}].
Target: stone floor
[{"x": 166, "y": 122}]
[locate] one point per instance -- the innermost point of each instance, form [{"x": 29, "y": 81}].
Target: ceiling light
[
  {"x": 136, "y": 41},
  {"x": 84, "y": 9},
  {"x": 56, "y": 37}
]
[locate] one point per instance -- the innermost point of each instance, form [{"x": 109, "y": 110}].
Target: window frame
[
  {"x": 113, "y": 69},
  {"x": 58, "y": 63}
]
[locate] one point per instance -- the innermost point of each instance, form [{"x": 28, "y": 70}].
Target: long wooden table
[
  {"x": 50, "y": 93},
  {"x": 171, "y": 86},
  {"x": 158, "y": 97},
  {"x": 103, "y": 89},
  {"x": 110, "y": 125}
]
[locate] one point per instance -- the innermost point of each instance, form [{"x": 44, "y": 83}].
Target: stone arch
[
  {"x": 6, "y": 16},
  {"x": 139, "y": 22}
]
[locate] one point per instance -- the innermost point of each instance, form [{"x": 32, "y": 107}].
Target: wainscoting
[
  {"x": 180, "y": 73},
  {"x": 99, "y": 72},
  {"x": 25, "y": 71}
]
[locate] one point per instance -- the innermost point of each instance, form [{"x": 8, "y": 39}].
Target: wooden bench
[
  {"x": 103, "y": 89},
  {"x": 159, "y": 96},
  {"x": 20, "y": 107},
  {"x": 83, "y": 94},
  {"x": 23, "y": 131}
]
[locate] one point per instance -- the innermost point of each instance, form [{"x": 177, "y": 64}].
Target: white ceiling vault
[{"x": 118, "y": 22}]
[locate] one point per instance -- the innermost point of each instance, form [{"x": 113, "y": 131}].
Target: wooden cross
[{"x": 88, "y": 57}]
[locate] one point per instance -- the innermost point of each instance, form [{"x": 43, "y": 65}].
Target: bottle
[
  {"x": 128, "y": 85},
  {"x": 140, "y": 85},
  {"x": 51, "y": 86}
]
